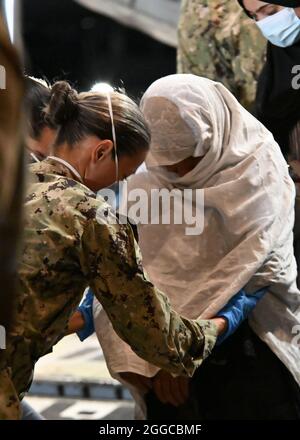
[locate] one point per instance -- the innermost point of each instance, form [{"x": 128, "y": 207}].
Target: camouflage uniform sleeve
[
  {"x": 218, "y": 41},
  {"x": 140, "y": 314}
]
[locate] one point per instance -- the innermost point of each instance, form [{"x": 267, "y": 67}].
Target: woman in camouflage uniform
[{"x": 73, "y": 240}]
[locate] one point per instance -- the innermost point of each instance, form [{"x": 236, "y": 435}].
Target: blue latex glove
[
  {"x": 237, "y": 310},
  {"x": 86, "y": 309}
]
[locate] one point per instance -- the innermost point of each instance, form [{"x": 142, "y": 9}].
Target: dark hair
[
  {"x": 37, "y": 96},
  {"x": 79, "y": 115},
  {"x": 241, "y": 2}
]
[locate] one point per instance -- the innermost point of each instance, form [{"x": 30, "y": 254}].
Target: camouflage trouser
[
  {"x": 16, "y": 374},
  {"x": 9, "y": 400}
]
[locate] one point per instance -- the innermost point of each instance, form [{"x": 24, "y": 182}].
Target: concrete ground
[
  {"x": 73, "y": 382},
  {"x": 57, "y": 408}
]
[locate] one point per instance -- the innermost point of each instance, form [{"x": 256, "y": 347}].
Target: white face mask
[{"x": 281, "y": 29}]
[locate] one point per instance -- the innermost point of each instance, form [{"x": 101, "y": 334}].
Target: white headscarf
[{"x": 249, "y": 215}]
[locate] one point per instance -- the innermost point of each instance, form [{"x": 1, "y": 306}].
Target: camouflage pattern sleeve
[
  {"x": 218, "y": 41},
  {"x": 140, "y": 314},
  {"x": 9, "y": 399}
]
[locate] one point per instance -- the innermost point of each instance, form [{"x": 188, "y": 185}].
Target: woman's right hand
[
  {"x": 142, "y": 383},
  {"x": 76, "y": 323},
  {"x": 171, "y": 390}
]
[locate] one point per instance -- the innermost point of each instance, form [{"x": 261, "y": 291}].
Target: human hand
[
  {"x": 221, "y": 324},
  {"x": 76, "y": 323},
  {"x": 86, "y": 311},
  {"x": 171, "y": 390},
  {"x": 142, "y": 383}
]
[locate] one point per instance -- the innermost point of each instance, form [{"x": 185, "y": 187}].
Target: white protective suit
[{"x": 248, "y": 218}]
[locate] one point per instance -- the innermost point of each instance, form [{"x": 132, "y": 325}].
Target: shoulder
[{"x": 59, "y": 197}]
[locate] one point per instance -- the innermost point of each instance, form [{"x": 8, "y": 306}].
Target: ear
[{"x": 102, "y": 150}]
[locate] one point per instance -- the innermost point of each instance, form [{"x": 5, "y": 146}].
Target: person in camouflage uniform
[
  {"x": 73, "y": 240},
  {"x": 218, "y": 41}
]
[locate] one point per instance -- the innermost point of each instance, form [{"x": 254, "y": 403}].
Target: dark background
[{"x": 63, "y": 40}]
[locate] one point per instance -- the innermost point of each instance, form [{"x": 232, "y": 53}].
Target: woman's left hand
[
  {"x": 76, "y": 323},
  {"x": 82, "y": 320}
]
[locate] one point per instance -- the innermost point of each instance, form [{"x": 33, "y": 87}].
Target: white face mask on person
[{"x": 281, "y": 29}]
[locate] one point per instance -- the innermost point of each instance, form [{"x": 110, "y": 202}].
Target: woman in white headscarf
[{"x": 202, "y": 138}]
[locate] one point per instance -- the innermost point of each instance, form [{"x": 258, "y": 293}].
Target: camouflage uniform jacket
[
  {"x": 218, "y": 41},
  {"x": 72, "y": 240}
]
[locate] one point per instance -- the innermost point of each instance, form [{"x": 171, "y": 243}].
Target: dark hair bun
[
  {"x": 36, "y": 99},
  {"x": 63, "y": 106}
]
